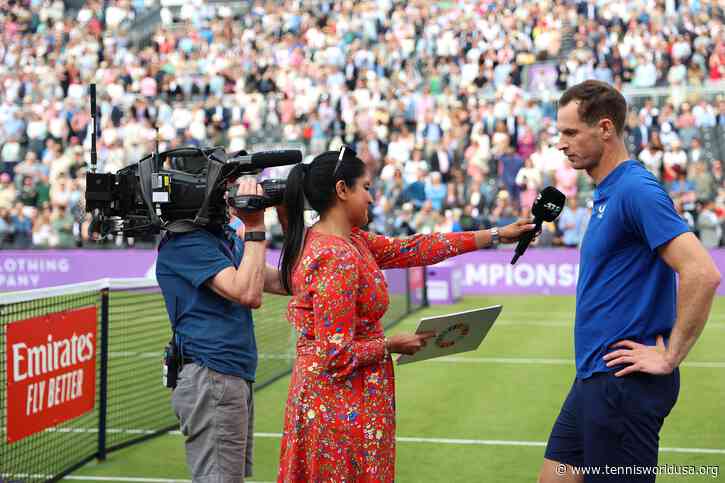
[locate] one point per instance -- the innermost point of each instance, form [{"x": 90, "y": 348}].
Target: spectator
[
  {"x": 566, "y": 180},
  {"x": 681, "y": 184},
  {"x": 695, "y": 153},
  {"x": 503, "y": 211},
  {"x": 28, "y": 195},
  {"x": 704, "y": 114},
  {"x": 43, "y": 234},
  {"x": 637, "y": 134},
  {"x": 530, "y": 183},
  {"x": 61, "y": 223},
  {"x": 572, "y": 222},
  {"x": 424, "y": 221},
  {"x": 645, "y": 72},
  {"x": 22, "y": 228},
  {"x": 510, "y": 164},
  {"x": 415, "y": 192},
  {"x": 526, "y": 143},
  {"x": 395, "y": 88},
  {"x": 709, "y": 226},
  {"x": 8, "y": 193},
  {"x": 10, "y": 152},
  {"x": 686, "y": 128},
  {"x": 674, "y": 161},
  {"x": 720, "y": 118},
  {"x": 441, "y": 161},
  {"x": 717, "y": 172},
  {"x": 468, "y": 220},
  {"x": 476, "y": 158},
  {"x": 703, "y": 181},
  {"x": 651, "y": 156},
  {"x": 717, "y": 62},
  {"x": 6, "y": 228},
  {"x": 411, "y": 169},
  {"x": 394, "y": 190},
  {"x": 547, "y": 159},
  {"x": 403, "y": 224},
  {"x": 436, "y": 191},
  {"x": 31, "y": 168},
  {"x": 457, "y": 191},
  {"x": 446, "y": 223},
  {"x": 685, "y": 215}
]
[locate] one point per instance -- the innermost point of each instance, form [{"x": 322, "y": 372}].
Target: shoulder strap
[
  {"x": 214, "y": 170},
  {"x": 181, "y": 226}
]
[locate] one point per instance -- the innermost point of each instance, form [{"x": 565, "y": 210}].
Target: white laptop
[{"x": 457, "y": 332}]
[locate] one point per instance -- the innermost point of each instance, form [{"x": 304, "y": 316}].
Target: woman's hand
[
  {"x": 511, "y": 233},
  {"x": 407, "y": 343}
]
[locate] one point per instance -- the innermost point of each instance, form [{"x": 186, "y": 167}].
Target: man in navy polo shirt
[
  {"x": 211, "y": 280},
  {"x": 633, "y": 328}
]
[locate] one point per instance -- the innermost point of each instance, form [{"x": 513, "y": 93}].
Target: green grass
[
  {"x": 138, "y": 331},
  {"x": 482, "y": 401}
]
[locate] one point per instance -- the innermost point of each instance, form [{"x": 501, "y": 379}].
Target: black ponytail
[
  {"x": 294, "y": 201},
  {"x": 314, "y": 183}
]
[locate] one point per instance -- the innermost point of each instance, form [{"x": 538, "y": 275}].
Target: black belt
[{"x": 187, "y": 360}]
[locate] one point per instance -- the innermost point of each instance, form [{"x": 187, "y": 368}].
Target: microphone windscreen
[
  {"x": 283, "y": 157},
  {"x": 548, "y": 204}
]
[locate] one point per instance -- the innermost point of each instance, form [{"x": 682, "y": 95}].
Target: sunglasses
[{"x": 346, "y": 152}]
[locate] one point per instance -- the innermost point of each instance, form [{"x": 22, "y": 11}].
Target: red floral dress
[{"x": 340, "y": 414}]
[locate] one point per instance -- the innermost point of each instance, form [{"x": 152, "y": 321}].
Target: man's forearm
[
  {"x": 694, "y": 300},
  {"x": 250, "y": 274},
  {"x": 272, "y": 282}
]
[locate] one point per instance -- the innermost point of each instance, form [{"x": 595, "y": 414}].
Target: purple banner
[
  {"x": 542, "y": 271},
  {"x": 539, "y": 271},
  {"x": 397, "y": 281},
  {"x": 485, "y": 272},
  {"x": 28, "y": 269}
]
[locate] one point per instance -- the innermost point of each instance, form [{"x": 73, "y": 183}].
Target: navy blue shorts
[{"x": 615, "y": 422}]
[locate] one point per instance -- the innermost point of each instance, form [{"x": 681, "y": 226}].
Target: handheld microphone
[{"x": 546, "y": 207}]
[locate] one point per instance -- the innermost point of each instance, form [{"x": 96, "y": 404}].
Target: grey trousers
[{"x": 216, "y": 413}]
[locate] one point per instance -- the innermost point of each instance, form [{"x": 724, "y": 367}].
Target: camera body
[{"x": 180, "y": 190}]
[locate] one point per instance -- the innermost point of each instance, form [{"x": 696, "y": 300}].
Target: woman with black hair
[{"x": 340, "y": 414}]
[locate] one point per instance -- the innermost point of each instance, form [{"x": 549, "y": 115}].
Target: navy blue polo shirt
[
  {"x": 213, "y": 331},
  {"x": 625, "y": 290}
]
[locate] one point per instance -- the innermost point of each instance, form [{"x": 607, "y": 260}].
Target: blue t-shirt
[
  {"x": 213, "y": 331},
  {"x": 625, "y": 290}
]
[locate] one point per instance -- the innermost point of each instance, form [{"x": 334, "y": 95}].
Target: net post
[{"x": 103, "y": 386}]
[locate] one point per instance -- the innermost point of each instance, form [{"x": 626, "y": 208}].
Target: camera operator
[{"x": 211, "y": 280}]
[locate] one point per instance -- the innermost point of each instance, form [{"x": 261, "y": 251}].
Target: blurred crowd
[{"x": 452, "y": 105}]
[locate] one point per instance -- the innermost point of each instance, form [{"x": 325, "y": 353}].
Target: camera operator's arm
[
  {"x": 245, "y": 284},
  {"x": 282, "y": 217},
  {"x": 272, "y": 281}
]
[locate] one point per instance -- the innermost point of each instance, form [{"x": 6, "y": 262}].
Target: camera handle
[
  {"x": 251, "y": 202},
  {"x": 273, "y": 195}
]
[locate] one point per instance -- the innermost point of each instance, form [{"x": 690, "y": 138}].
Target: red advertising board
[{"x": 51, "y": 370}]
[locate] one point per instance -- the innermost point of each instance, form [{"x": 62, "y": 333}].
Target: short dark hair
[{"x": 598, "y": 100}]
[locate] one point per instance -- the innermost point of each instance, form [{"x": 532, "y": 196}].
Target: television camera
[{"x": 178, "y": 190}]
